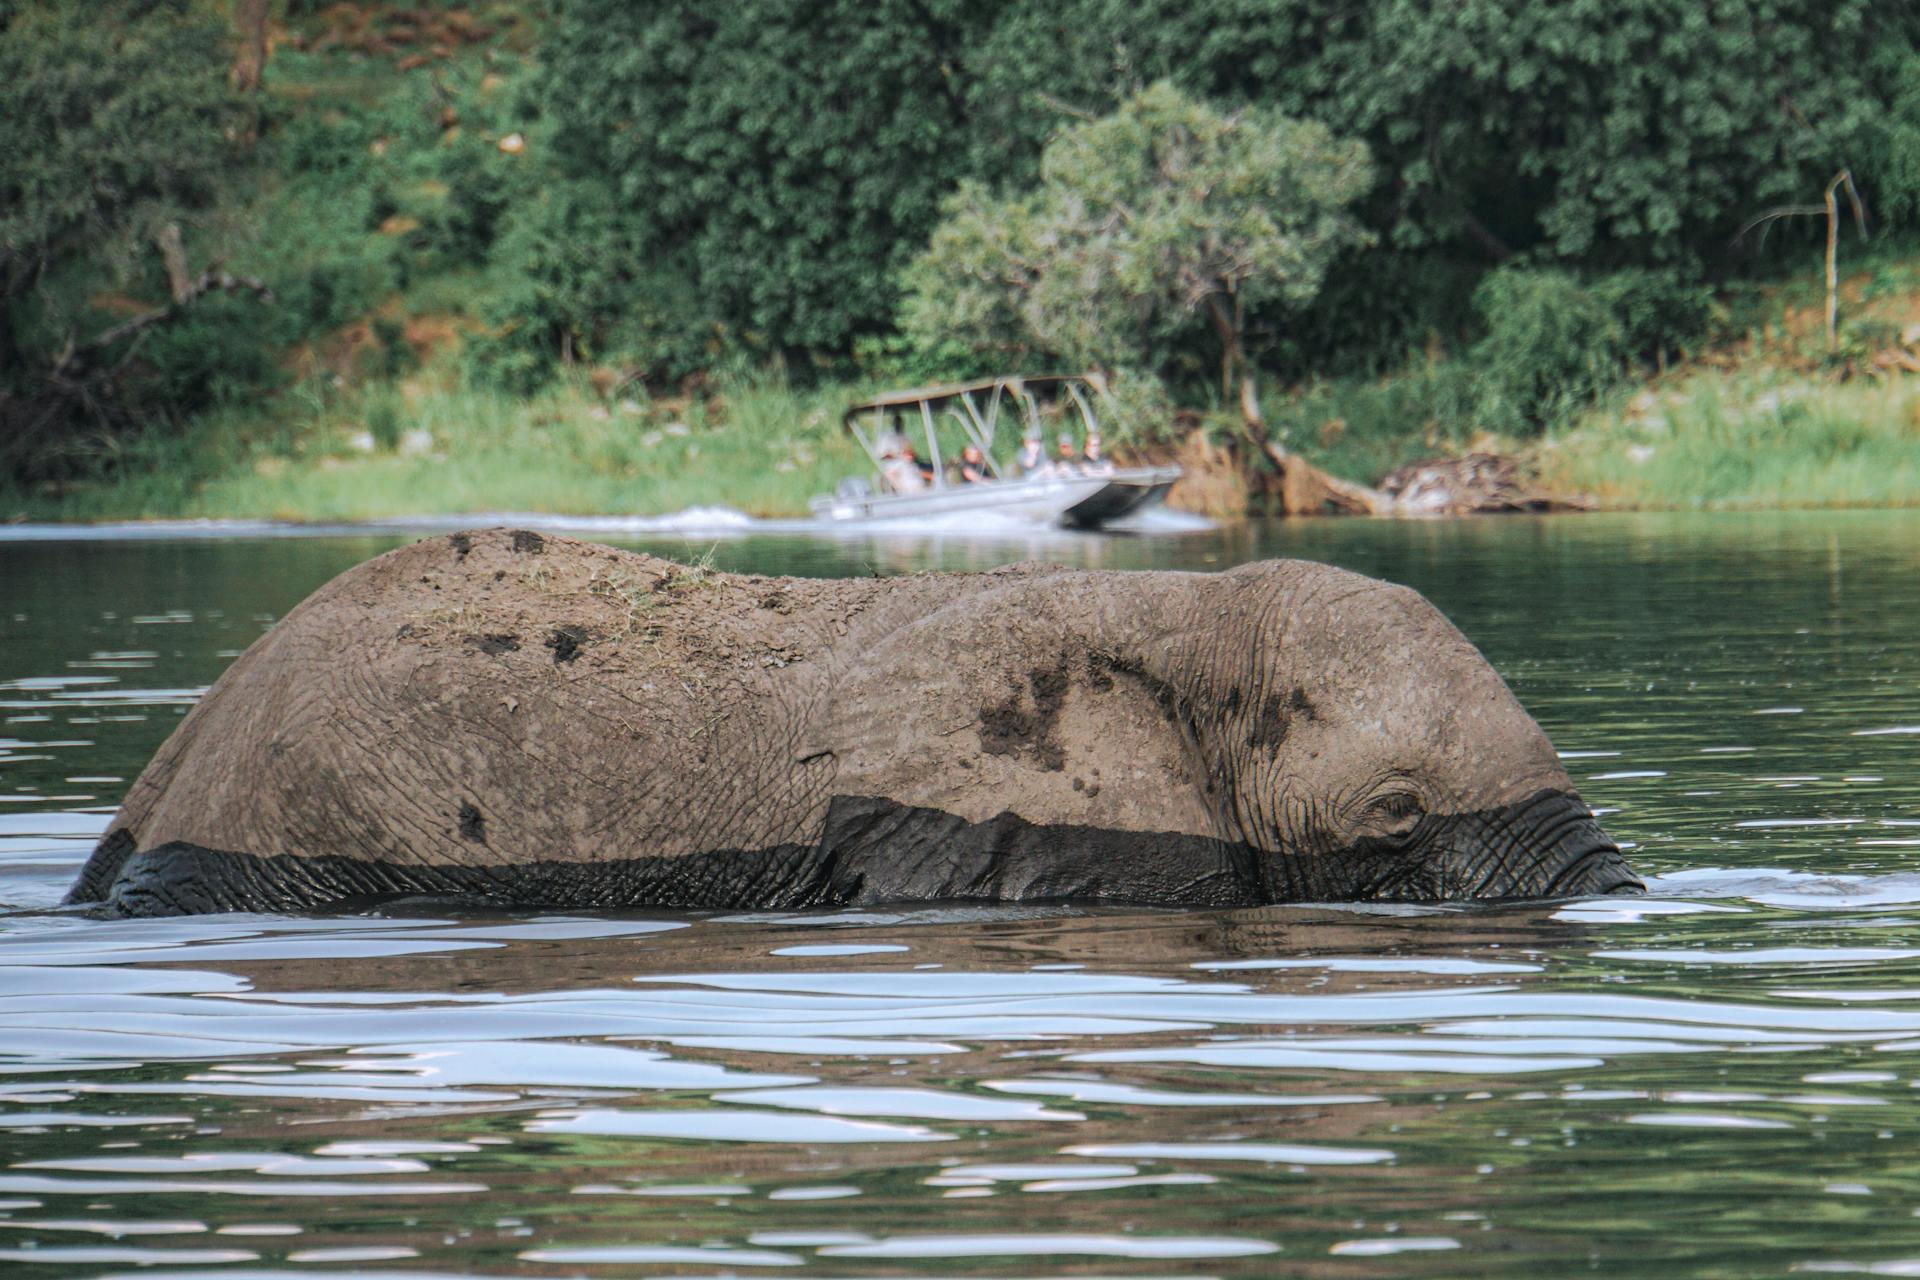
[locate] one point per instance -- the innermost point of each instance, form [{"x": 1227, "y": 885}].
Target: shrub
[
  {"x": 1551, "y": 346},
  {"x": 572, "y": 281},
  {"x": 1657, "y": 309},
  {"x": 1553, "y": 343},
  {"x": 383, "y": 421}
]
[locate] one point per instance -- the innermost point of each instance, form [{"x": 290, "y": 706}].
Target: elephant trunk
[{"x": 1547, "y": 846}]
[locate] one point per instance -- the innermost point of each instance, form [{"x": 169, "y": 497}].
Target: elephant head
[{"x": 1365, "y": 749}]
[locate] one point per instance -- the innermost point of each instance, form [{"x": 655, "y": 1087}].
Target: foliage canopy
[
  {"x": 791, "y": 158},
  {"x": 115, "y": 123},
  {"x": 118, "y": 120},
  {"x": 1164, "y": 215},
  {"x": 786, "y": 159}
]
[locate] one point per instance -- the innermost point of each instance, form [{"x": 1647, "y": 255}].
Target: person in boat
[
  {"x": 1092, "y": 461},
  {"x": 1032, "y": 459},
  {"x": 1066, "y": 462},
  {"x": 973, "y": 466},
  {"x": 899, "y": 469}
]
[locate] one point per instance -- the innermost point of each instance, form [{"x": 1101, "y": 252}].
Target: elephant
[{"x": 507, "y": 718}]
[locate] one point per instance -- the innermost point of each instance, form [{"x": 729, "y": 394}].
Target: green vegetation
[
  {"x": 755, "y": 446},
  {"x": 1163, "y": 217},
  {"x": 793, "y": 157},
  {"x": 1722, "y": 441},
  {"x": 115, "y": 145},
  {"x": 474, "y": 257}
]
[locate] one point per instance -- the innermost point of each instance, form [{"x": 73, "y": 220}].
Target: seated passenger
[
  {"x": 1092, "y": 461},
  {"x": 899, "y": 469},
  {"x": 973, "y": 466},
  {"x": 1032, "y": 459},
  {"x": 1065, "y": 461}
]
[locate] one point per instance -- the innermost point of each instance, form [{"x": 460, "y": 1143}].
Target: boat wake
[
  {"x": 694, "y": 522},
  {"x": 1779, "y": 887}
]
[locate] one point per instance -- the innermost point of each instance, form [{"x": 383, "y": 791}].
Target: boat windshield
[{"x": 946, "y": 421}]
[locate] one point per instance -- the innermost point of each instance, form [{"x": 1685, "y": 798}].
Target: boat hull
[{"x": 1080, "y": 501}]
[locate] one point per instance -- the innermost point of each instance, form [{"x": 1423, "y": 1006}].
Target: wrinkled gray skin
[{"x": 531, "y": 721}]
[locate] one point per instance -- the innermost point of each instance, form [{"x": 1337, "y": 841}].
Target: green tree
[
  {"x": 785, "y": 158},
  {"x": 118, "y": 116},
  {"x": 1617, "y": 133},
  {"x": 1165, "y": 215}
]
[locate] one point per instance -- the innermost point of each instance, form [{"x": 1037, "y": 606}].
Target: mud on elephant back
[{"x": 501, "y": 717}]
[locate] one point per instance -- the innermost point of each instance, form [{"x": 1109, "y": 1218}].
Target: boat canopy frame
[{"x": 976, "y": 406}]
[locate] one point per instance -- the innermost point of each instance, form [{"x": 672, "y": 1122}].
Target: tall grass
[
  {"x": 757, "y": 445},
  {"x": 1748, "y": 440}
]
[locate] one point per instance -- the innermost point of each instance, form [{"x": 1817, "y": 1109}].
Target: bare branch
[
  {"x": 1052, "y": 103},
  {"x": 74, "y": 359},
  {"x": 1845, "y": 177},
  {"x": 1778, "y": 212}
]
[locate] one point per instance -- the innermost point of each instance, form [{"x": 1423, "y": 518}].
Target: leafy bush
[
  {"x": 1553, "y": 343},
  {"x": 1136, "y": 408},
  {"x": 572, "y": 282},
  {"x": 1656, "y": 309},
  {"x": 1551, "y": 346},
  {"x": 1360, "y": 428}
]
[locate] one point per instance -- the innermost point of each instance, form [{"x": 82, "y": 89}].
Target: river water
[{"x": 1717, "y": 1080}]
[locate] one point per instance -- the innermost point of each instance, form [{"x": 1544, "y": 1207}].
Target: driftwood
[
  {"x": 1306, "y": 490},
  {"x": 1478, "y": 482},
  {"x": 1474, "y": 484}
]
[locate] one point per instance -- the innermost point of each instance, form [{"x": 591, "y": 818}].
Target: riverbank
[
  {"x": 1706, "y": 439},
  {"x": 431, "y": 340},
  {"x": 1720, "y": 441},
  {"x": 427, "y": 448}
]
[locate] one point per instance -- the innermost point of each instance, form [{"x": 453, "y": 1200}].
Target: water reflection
[
  {"x": 1716, "y": 1079},
  {"x": 621, "y": 1058}
]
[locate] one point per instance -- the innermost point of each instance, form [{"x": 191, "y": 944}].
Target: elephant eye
[{"x": 1393, "y": 813}]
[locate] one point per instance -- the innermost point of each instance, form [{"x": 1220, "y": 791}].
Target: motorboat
[{"x": 904, "y": 488}]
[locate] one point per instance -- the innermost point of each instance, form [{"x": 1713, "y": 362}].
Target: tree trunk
[
  {"x": 250, "y": 59},
  {"x": 1833, "y": 268},
  {"x": 1305, "y": 489},
  {"x": 1844, "y": 178},
  {"x": 9, "y": 349},
  {"x": 174, "y": 253}
]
